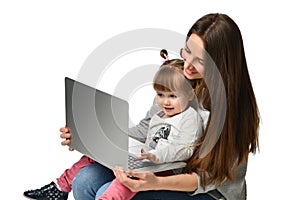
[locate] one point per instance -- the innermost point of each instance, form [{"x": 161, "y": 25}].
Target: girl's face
[
  {"x": 193, "y": 54},
  {"x": 171, "y": 103}
]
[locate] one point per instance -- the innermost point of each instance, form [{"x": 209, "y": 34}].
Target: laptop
[{"x": 99, "y": 124}]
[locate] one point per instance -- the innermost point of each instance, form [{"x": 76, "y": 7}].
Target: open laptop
[{"x": 99, "y": 123}]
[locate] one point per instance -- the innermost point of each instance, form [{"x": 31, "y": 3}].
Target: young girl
[{"x": 173, "y": 130}]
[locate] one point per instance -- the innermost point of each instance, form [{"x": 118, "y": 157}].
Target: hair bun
[{"x": 164, "y": 53}]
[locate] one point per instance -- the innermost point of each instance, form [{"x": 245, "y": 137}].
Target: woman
[{"x": 214, "y": 54}]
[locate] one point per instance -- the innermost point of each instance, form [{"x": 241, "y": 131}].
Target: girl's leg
[
  {"x": 102, "y": 189},
  {"x": 89, "y": 179},
  {"x": 65, "y": 180},
  {"x": 117, "y": 191}
]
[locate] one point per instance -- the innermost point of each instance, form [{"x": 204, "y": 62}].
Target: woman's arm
[
  {"x": 149, "y": 181},
  {"x": 180, "y": 182}
]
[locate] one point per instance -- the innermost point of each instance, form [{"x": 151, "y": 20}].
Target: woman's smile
[{"x": 190, "y": 72}]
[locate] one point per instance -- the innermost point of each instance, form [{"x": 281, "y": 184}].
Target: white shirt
[{"x": 172, "y": 138}]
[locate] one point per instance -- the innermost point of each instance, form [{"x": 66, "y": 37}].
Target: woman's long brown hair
[{"x": 239, "y": 132}]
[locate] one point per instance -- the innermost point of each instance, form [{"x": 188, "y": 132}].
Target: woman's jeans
[{"x": 93, "y": 180}]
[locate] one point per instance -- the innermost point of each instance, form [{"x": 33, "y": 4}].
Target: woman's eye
[
  {"x": 200, "y": 61},
  {"x": 187, "y": 50}
]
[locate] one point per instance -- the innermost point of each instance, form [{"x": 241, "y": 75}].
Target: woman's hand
[
  {"x": 149, "y": 156},
  {"x": 65, "y": 134},
  {"x": 141, "y": 181}
]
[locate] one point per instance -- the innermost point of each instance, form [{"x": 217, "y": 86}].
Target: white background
[{"x": 41, "y": 42}]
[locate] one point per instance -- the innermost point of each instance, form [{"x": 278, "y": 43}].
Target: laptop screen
[{"x": 98, "y": 123}]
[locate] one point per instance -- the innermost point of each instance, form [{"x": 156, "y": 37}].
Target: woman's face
[{"x": 193, "y": 55}]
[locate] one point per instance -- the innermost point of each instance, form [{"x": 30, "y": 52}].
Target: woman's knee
[{"x": 84, "y": 176}]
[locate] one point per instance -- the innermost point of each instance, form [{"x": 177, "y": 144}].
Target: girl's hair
[
  {"x": 239, "y": 133},
  {"x": 170, "y": 78}
]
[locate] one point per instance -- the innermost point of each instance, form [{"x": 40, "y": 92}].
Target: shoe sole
[{"x": 28, "y": 197}]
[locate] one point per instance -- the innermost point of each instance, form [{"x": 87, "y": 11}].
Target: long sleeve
[{"x": 233, "y": 190}]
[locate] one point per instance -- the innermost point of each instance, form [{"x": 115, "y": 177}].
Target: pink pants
[
  {"x": 117, "y": 191},
  {"x": 65, "y": 180}
]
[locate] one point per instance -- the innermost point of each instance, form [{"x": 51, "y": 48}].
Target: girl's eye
[
  {"x": 159, "y": 94},
  {"x": 173, "y": 96}
]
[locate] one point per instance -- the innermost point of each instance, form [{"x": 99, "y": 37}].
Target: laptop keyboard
[{"x": 135, "y": 164}]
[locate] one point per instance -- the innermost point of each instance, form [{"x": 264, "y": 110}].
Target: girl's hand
[
  {"x": 65, "y": 134},
  {"x": 149, "y": 156},
  {"x": 141, "y": 181}
]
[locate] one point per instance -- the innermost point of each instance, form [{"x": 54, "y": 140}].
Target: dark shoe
[{"x": 49, "y": 191}]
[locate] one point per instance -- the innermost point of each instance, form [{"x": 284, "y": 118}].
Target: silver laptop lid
[{"x": 90, "y": 111}]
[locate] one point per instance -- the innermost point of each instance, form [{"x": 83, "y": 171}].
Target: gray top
[{"x": 231, "y": 190}]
